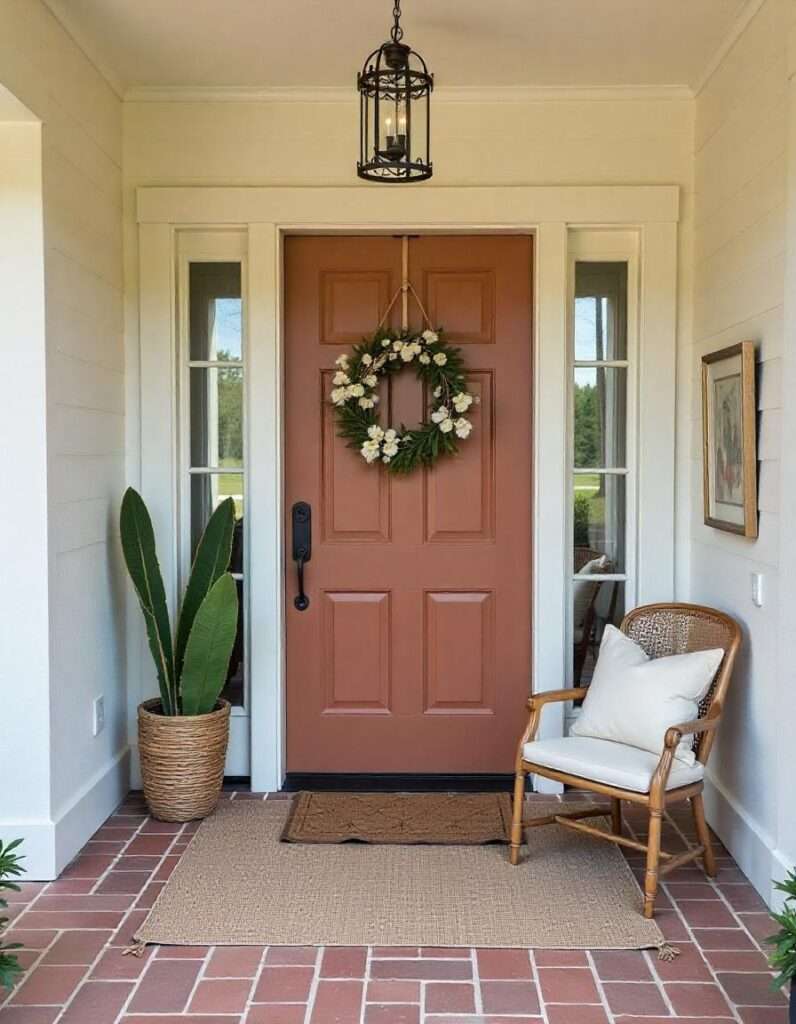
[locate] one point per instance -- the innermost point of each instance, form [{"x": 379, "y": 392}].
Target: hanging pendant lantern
[{"x": 395, "y": 112}]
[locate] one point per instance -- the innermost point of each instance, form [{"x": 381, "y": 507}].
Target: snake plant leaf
[
  {"x": 210, "y": 561},
  {"x": 209, "y": 647},
  {"x": 138, "y": 546}
]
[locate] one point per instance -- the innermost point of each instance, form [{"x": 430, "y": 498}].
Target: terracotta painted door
[{"x": 414, "y": 654}]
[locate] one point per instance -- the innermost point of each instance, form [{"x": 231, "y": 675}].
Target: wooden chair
[{"x": 661, "y": 630}]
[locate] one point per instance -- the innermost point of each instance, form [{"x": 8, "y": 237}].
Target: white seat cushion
[{"x": 614, "y": 764}]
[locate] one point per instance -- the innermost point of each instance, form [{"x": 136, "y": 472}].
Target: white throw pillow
[{"x": 634, "y": 699}]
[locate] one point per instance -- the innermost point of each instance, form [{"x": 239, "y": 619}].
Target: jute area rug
[
  {"x": 237, "y": 884},
  {"x": 450, "y": 819}
]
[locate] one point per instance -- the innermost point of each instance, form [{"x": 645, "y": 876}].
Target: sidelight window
[
  {"x": 600, "y": 456},
  {"x": 212, "y": 414}
]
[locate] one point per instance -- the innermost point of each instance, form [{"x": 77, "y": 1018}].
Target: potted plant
[
  {"x": 10, "y": 867},
  {"x": 183, "y": 734},
  {"x": 783, "y": 959}
]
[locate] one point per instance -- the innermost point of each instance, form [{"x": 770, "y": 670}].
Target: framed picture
[{"x": 729, "y": 439}]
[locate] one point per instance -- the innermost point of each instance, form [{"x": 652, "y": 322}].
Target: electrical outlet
[
  {"x": 757, "y": 589},
  {"x": 99, "y": 715}
]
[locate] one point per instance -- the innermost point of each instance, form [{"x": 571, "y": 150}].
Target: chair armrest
[
  {"x": 676, "y": 732},
  {"x": 673, "y": 736},
  {"x": 535, "y": 705},
  {"x": 538, "y": 700}
]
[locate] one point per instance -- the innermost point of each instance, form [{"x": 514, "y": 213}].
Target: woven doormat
[{"x": 441, "y": 819}]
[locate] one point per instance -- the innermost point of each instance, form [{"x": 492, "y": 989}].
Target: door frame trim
[{"x": 547, "y": 213}]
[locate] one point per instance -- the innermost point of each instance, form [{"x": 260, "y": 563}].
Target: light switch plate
[
  {"x": 757, "y": 589},
  {"x": 98, "y": 722}
]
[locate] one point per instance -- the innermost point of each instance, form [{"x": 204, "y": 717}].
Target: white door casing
[{"x": 262, "y": 216}]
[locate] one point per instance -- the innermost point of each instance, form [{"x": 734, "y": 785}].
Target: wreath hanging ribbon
[{"x": 355, "y": 396}]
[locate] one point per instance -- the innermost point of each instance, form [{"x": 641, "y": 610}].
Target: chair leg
[
  {"x": 616, "y": 816},
  {"x": 653, "y": 859},
  {"x": 708, "y": 857},
  {"x": 516, "y": 823}
]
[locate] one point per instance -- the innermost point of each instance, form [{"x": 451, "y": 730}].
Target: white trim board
[
  {"x": 374, "y": 208},
  {"x": 548, "y": 213}
]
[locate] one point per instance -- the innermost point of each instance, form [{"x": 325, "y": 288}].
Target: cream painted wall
[
  {"x": 739, "y": 291},
  {"x": 80, "y": 166}
]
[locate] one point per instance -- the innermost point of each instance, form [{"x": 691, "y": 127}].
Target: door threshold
[{"x": 397, "y": 782}]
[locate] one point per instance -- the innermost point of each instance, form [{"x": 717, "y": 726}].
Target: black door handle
[{"x": 302, "y": 549}]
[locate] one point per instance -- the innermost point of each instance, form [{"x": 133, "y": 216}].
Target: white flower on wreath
[
  {"x": 437, "y": 392},
  {"x": 367, "y": 359},
  {"x": 424, "y": 358},
  {"x": 393, "y": 355},
  {"x": 397, "y": 346},
  {"x": 463, "y": 427},
  {"x": 462, "y": 401},
  {"x": 340, "y": 378},
  {"x": 372, "y": 380},
  {"x": 375, "y": 433},
  {"x": 440, "y": 415},
  {"x": 390, "y": 449},
  {"x": 366, "y": 403},
  {"x": 370, "y": 451},
  {"x": 408, "y": 353},
  {"x": 446, "y": 426},
  {"x": 356, "y": 390},
  {"x": 385, "y": 342},
  {"x": 338, "y": 396},
  {"x": 429, "y": 337},
  {"x": 380, "y": 362},
  {"x": 390, "y": 435},
  {"x": 342, "y": 361},
  {"x": 440, "y": 358}
]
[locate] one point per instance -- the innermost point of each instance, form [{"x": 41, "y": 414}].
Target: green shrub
[
  {"x": 783, "y": 959},
  {"x": 581, "y": 517},
  {"x": 9, "y": 868}
]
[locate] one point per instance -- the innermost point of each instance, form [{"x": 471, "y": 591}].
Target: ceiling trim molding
[
  {"x": 445, "y": 94},
  {"x": 737, "y": 29}
]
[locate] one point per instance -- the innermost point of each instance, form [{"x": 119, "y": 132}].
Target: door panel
[{"x": 414, "y": 654}]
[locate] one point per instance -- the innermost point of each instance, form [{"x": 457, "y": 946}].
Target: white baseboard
[
  {"x": 752, "y": 847},
  {"x": 38, "y": 845},
  {"x": 98, "y": 799},
  {"x": 50, "y": 844}
]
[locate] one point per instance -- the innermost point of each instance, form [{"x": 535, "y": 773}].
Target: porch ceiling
[{"x": 281, "y": 43}]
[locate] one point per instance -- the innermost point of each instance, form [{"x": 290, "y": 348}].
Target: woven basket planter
[{"x": 182, "y": 760}]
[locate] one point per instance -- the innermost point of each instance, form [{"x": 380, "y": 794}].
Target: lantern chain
[{"x": 397, "y": 32}]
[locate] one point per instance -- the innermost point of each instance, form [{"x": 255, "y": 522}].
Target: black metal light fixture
[{"x": 395, "y": 112}]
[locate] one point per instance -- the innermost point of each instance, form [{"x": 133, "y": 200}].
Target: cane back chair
[{"x": 661, "y": 630}]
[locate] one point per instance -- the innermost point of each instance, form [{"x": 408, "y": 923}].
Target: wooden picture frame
[{"x": 729, "y": 439}]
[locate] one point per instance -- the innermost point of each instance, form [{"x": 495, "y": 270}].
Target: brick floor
[{"x": 74, "y": 930}]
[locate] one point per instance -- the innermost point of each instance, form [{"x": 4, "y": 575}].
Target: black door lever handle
[{"x": 302, "y": 549}]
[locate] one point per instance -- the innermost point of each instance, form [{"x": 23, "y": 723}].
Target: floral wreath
[{"x": 355, "y": 397}]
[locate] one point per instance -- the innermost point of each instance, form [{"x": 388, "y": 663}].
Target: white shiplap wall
[
  {"x": 82, "y": 203},
  {"x": 739, "y": 264}
]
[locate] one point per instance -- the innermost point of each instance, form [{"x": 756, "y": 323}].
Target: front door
[{"x": 414, "y": 654}]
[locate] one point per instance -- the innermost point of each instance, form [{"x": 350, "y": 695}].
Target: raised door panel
[
  {"x": 352, "y": 302},
  {"x": 355, "y": 497},
  {"x": 459, "y": 493},
  {"x": 355, "y": 662},
  {"x": 462, "y": 302},
  {"x": 459, "y": 649}
]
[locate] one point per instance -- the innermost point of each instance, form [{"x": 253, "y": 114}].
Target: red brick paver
[{"x": 74, "y": 932}]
